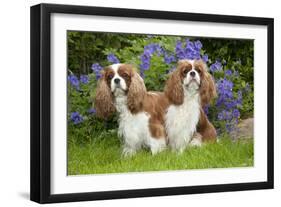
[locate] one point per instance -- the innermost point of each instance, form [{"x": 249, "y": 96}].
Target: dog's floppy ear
[
  {"x": 136, "y": 92},
  {"x": 207, "y": 86},
  {"x": 104, "y": 99},
  {"x": 173, "y": 88}
]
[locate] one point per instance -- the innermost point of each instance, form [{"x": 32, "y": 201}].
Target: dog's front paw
[
  {"x": 196, "y": 140},
  {"x": 128, "y": 152},
  {"x": 157, "y": 145}
]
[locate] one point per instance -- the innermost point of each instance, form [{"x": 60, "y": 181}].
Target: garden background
[{"x": 93, "y": 145}]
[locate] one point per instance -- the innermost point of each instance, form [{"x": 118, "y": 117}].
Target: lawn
[{"x": 102, "y": 154}]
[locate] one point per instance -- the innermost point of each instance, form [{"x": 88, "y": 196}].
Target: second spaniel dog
[
  {"x": 189, "y": 88},
  {"x": 141, "y": 113}
]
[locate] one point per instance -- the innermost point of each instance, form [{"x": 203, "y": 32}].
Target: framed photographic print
[{"x": 133, "y": 103}]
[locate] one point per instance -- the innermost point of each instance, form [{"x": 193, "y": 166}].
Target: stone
[{"x": 245, "y": 130}]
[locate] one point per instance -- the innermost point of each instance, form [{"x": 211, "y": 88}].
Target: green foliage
[
  {"x": 85, "y": 48},
  {"x": 156, "y": 76},
  {"x": 238, "y": 55}
]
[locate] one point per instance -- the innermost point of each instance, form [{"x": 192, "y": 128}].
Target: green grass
[{"x": 103, "y": 155}]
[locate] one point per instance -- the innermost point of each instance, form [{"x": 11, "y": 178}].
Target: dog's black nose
[
  {"x": 192, "y": 74},
  {"x": 117, "y": 80}
]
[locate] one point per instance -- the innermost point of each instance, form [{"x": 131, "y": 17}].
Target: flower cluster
[
  {"x": 92, "y": 111},
  {"x": 228, "y": 72},
  {"x": 76, "y": 117},
  {"x": 205, "y": 58},
  {"x": 148, "y": 51},
  {"x": 112, "y": 58},
  {"x": 217, "y": 66},
  {"x": 145, "y": 61},
  {"x": 168, "y": 59},
  {"x": 74, "y": 81},
  {"x": 226, "y": 104},
  {"x": 191, "y": 50},
  {"x": 84, "y": 79},
  {"x": 97, "y": 70}
]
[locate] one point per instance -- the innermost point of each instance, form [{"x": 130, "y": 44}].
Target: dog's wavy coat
[
  {"x": 189, "y": 88},
  {"x": 141, "y": 113}
]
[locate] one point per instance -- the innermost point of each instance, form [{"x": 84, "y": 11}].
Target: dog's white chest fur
[
  {"x": 134, "y": 128},
  {"x": 181, "y": 121}
]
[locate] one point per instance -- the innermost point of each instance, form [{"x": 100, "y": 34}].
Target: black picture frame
[{"x": 41, "y": 96}]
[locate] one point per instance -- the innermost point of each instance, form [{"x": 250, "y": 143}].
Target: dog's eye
[
  {"x": 198, "y": 70},
  {"x": 110, "y": 76},
  {"x": 125, "y": 75},
  {"x": 185, "y": 71}
]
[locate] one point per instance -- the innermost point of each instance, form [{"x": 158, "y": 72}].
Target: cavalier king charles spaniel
[
  {"x": 189, "y": 88},
  {"x": 141, "y": 113}
]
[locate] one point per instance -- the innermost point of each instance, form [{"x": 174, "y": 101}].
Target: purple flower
[
  {"x": 198, "y": 45},
  {"x": 112, "y": 58},
  {"x": 190, "y": 51},
  {"x": 142, "y": 74},
  {"x": 216, "y": 67},
  {"x": 160, "y": 51},
  {"x": 220, "y": 116},
  {"x": 179, "y": 51},
  {"x": 227, "y": 104},
  {"x": 96, "y": 67},
  {"x": 169, "y": 58},
  {"x": 224, "y": 115},
  {"x": 224, "y": 86},
  {"x": 189, "y": 45},
  {"x": 74, "y": 81},
  {"x": 145, "y": 61},
  {"x": 206, "y": 109},
  {"x": 144, "y": 66},
  {"x": 205, "y": 58},
  {"x": 148, "y": 51},
  {"x": 84, "y": 79},
  {"x": 152, "y": 48},
  {"x": 97, "y": 70},
  {"x": 239, "y": 98},
  {"x": 92, "y": 111},
  {"x": 229, "y": 126},
  {"x": 76, "y": 117},
  {"x": 228, "y": 72},
  {"x": 235, "y": 113},
  {"x": 225, "y": 94},
  {"x": 145, "y": 57}
]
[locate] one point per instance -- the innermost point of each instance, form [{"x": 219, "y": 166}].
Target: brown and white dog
[
  {"x": 141, "y": 113},
  {"x": 189, "y": 88}
]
